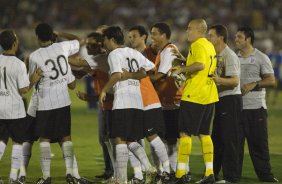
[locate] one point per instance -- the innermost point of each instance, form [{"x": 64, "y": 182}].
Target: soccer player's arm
[
  {"x": 70, "y": 36},
  {"x": 198, "y": 61},
  {"x": 133, "y": 75},
  {"x": 232, "y": 72},
  {"x": 115, "y": 77}
]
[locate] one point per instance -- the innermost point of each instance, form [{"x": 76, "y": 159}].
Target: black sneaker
[
  {"x": 105, "y": 176},
  {"x": 21, "y": 180},
  {"x": 207, "y": 180},
  {"x": 183, "y": 180},
  {"x": 166, "y": 178},
  {"x": 44, "y": 181},
  {"x": 69, "y": 179},
  {"x": 82, "y": 181},
  {"x": 136, "y": 181},
  {"x": 270, "y": 180}
]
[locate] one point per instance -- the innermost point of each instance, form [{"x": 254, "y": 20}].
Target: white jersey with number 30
[
  {"x": 127, "y": 93},
  {"x": 13, "y": 76},
  {"x": 52, "y": 89}
]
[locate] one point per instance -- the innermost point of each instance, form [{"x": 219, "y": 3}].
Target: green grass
[{"x": 90, "y": 161}]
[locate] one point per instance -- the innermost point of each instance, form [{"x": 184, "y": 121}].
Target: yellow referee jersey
[{"x": 199, "y": 87}]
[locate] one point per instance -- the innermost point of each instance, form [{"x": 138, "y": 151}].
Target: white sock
[
  {"x": 45, "y": 158},
  {"x": 136, "y": 165},
  {"x": 17, "y": 152},
  {"x": 188, "y": 167},
  {"x": 75, "y": 168},
  {"x": 2, "y": 149},
  {"x": 172, "y": 155},
  {"x": 121, "y": 163},
  {"x": 142, "y": 143},
  {"x": 156, "y": 160},
  {"x": 140, "y": 153},
  {"x": 26, "y": 157},
  {"x": 161, "y": 152},
  {"x": 67, "y": 148}
]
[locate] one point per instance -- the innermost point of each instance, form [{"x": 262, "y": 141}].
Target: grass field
[{"x": 90, "y": 161}]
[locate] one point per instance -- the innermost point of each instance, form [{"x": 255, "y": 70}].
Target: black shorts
[
  {"x": 127, "y": 124},
  {"x": 107, "y": 120},
  {"x": 53, "y": 124},
  {"x": 12, "y": 128},
  {"x": 29, "y": 129},
  {"x": 171, "y": 123},
  {"x": 153, "y": 122},
  {"x": 195, "y": 119}
]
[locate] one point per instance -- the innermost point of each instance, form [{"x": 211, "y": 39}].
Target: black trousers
[
  {"x": 254, "y": 125},
  {"x": 226, "y": 137}
]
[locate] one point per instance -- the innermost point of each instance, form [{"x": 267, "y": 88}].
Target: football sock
[
  {"x": 172, "y": 155},
  {"x": 67, "y": 148},
  {"x": 27, "y": 146},
  {"x": 136, "y": 165},
  {"x": 45, "y": 158},
  {"x": 184, "y": 151},
  {"x": 2, "y": 149},
  {"x": 207, "y": 149},
  {"x": 160, "y": 150},
  {"x": 140, "y": 153},
  {"x": 121, "y": 162},
  {"x": 17, "y": 152}
]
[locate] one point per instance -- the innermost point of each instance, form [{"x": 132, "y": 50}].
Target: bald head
[
  {"x": 200, "y": 24},
  {"x": 196, "y": 29}
]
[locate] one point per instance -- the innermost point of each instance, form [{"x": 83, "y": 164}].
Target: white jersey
[
  {"x": 13, "y": 76},
  {"x": 52, "y": 89},
  {"x": 127, "y": 94}
]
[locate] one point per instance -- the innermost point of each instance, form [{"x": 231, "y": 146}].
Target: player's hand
[
  {"x": 82, "y": 96},
  {"x": 125, "y": 74},
  {"x": 102, "y": 98},
  {"x": 216, "y": 78},
  {"x": 246, "y": 88},
  {"x": 176, "y": 70},
  {"x": 36, "y": 76}
]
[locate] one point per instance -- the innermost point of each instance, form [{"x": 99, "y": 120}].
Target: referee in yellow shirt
[{"x": 197, "y": 101}]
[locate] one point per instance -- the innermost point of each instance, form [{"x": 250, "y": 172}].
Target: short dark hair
[
  {"x": 248, "y": 32},
  {"x": 7, "y": 39},
  {"x": 116, "y": 33},
  {"x": 221, "y": 30},
  {"x": 44, "y": 32},
  {"x": 163, "y": 28},
  {"x": 141, "y": 30},
  {"x": 97, "y": 36}
]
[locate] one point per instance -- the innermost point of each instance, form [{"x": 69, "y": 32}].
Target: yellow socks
[
  {"x": 207, "y": 149},
  {"x": 184, "y": 150}
]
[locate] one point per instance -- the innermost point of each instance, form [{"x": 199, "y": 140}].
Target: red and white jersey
[
  {"x": 52, "y": 89},
  {"x": 13, "y": 76},
  {"x": 127, "y": 93}
]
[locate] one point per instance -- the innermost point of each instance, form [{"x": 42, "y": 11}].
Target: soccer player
[
  {"x": 225, "y": 133},
  {"x": 127, "y": 120},
  {"x": 165, "y": 86},
  {"x": 256, "y": 75},
  {"x": 53, "y": 119},
  {"x": 14, "y": 83},
  {"x": 197, "y": 100},
  {"x": 153, "y": 115}
]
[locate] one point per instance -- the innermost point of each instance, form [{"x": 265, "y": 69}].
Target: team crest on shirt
[{"x": 253, "y": 60}]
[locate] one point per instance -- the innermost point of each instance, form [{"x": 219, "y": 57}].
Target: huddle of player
[{"x": 143, "y": 91}]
